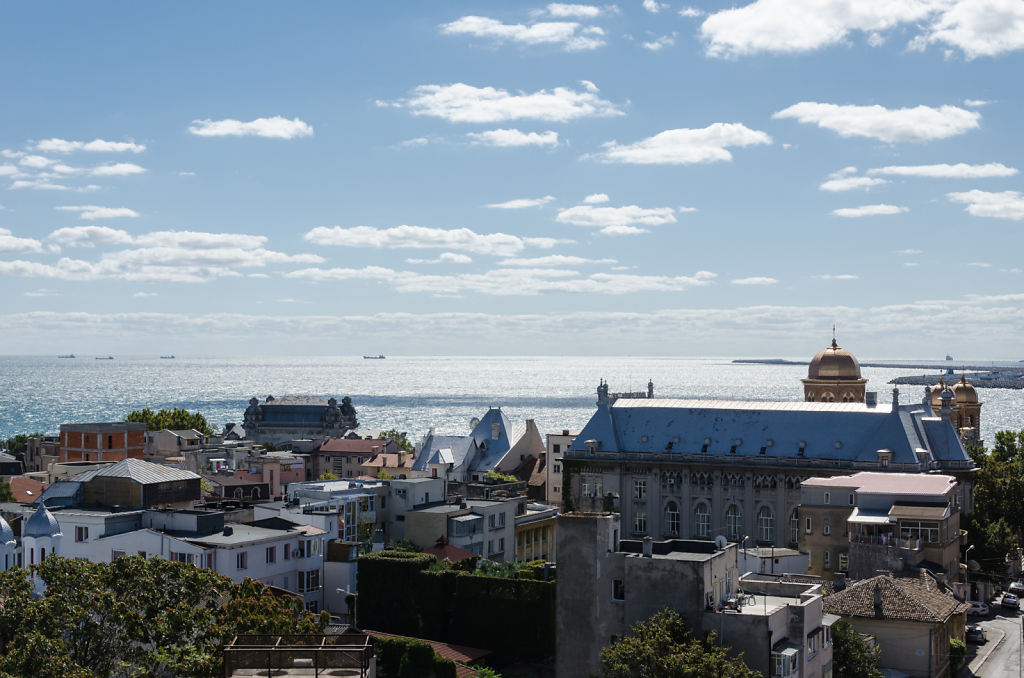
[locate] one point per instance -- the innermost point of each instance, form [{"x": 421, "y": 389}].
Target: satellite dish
[{"x": 721, "y": 542}]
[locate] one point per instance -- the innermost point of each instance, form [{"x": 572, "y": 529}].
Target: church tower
[
  {"x": 966, "y": 415},
  {"x": 834, "y": 376}
]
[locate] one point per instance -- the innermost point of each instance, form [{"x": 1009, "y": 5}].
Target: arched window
[
  {"x": 794, "y": 527},
  {"x": 702, "y": 524},
  {"x": 828, "y": 397},
  {"x": 733, "y": 522},
  {"x": 766, "y": 524},
  {"x": 672, "y": 518},
  {"x": 826, "y": 527}
]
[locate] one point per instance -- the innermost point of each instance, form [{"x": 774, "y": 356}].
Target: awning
[
  {"x": 467, "y": 518},
  {"x": 919, "y": 512},
  {"x": 868, "y": 517}
]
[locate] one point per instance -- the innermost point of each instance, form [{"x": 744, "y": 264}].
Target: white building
[{"x": 557, "y": 444}]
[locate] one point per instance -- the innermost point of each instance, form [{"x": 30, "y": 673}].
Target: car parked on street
[
  {"x": 1010, "y": 601},
  {"x": 975, "y": 634},
  {"x": 1016, "y": 588},
  {"x": 978, "y": 609}
]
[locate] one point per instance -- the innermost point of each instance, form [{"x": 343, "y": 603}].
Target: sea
[{"x": 411, "y": 393}]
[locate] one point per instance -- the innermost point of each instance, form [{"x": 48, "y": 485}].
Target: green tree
[
  {"x": 957, "y": 654},
  {"x": 19, "y": 442},
  {"x": 400, "y": 437},
  {"x": 663, "y": 646},
  {"x": 133, "y": 617},
  {"x": 327, "y": 475},
  {"x": 852, "y": 656},
  {"x": 999, "y": 483},
  {"x": 5, "y": 491},
  {"x": 176, "y": 419}
]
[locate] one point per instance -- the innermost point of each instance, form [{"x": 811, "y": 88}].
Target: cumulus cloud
[
  {"x": 869, "y": 211},
  {"x": 839, "y": 276},
  {"x": 596, "y": 198},
  {"x": 90, "y": 236},
  {"x": 10, "y": 243},
  {"x": 570, "y": 35},
  {"x": 417, "y": 237},
  {"x": 35, "y": 161},
  {"x": 911, "y": 252},
  {"x": 465, "y": 103},
  {"x": 546, "y": 243},
  {"x": 975, "y": 103},
  {"x": 7, "y": 170},
  {"x": 93, "y": 212},
  {"x": 946, "y": 171},
  {"x": 625, "y": 220},
  {"x": 513, "y": 137},
  {"x": 1002, "y": 205},
  {"x": 916, "y": 125},
  {"x": 690, "y": 13},
  {"x": 978, "y": 28},
  {"x": 755, "y": 280},
  {"x": 653, "y": 6},
  {"x": 444, "y": 258},
  {"x": 554, "y": 261},
  {"x": 843, "y": 182},
  {"x": 685, "y": 146},
  {"x": 146, "y": 294},
  {"x": 96, "y": 146},
  {"x": 522, "y": 203},
  {"x": 659, "y": 43},
  {"x": 119, "y": 169},
  {"x": 563, "y": 10},
  {"x": 511, "y": 281},
  {"x": 272, "y": 128}
]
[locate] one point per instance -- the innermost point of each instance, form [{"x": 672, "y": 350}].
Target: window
[
  {"x": 618, "y": 590},
  {"x": 672, "y": 518},
  {"x": 702, "y": 520},
  {"x": 271, "y": 554},
  {"x": 81, "y": 533},
  {"x": 807, "y": 525},
  {"x": 501, "y": 544},
  {"x": 851, "y": 499},
  {"x": 827, "y": 560},
  {"x": 556, "y": 448},
  {"x": 733, "y": 522},
  {"x": 828, "y": 497},
  {"x": 242, "y": 560},
  {"x": 794, "y": 528},
  {"x": 766, "y": 524},
  {"x": 591, "y": 489},
  {"x": 825, "y": 527},
  {"x": 557, "y": 468},
  {"x": 179, "y": 557},
  {"x": 844, "y": 562},
  {"x": 287, "y": 551},
  {"x": 639, "y": 489},
  {"x": 640, "y": 522},
  {"x": 490, "y": 521},
  {"x": 490, "y": 547},
  {"x": 309, "y": 581},
  {"x": 115, "y": 554},
  {"x": 311, "y": 606},
  {"x": 501, "y": 520}
]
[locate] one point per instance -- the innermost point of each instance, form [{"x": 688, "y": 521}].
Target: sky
[{"x": 666, "y": 178}]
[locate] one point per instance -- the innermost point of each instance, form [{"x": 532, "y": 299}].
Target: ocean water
[{"x": 410, "y": 394}]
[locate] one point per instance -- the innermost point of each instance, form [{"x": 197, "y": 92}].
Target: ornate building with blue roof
[{"x": 677, "y": 468}]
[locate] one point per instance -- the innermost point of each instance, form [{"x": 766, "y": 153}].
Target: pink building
[{"x": 274, "y": 470}]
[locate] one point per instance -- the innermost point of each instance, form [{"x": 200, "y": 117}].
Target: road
[{"x": 1004, "y": 661}]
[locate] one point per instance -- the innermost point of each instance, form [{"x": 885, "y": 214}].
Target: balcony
[
  {"x": 882, "y": 540},
  {"x": 350, "y": 654}
]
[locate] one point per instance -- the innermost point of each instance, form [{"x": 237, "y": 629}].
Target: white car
[
  {"x": 1011, "y": 601},
  {"x": 978, "y": 608}
]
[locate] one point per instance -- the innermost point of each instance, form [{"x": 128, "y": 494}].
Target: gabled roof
[
  {"x": 26, "y": 490},
  {"x": 830, "y": 431},
  {"x": 140, "y": 471},
  {"x": 493, "y": 449},
  {"x": 430, "y": 452},
  {"x": 898, "y": 598}
]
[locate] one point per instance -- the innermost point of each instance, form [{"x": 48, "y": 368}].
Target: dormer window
[{"x": 495, "y": 430}]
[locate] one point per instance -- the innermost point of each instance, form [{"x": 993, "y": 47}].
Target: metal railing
[{"x": 313, "y": 655}]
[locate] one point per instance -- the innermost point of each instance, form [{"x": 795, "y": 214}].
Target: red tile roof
[
  {"x": 887, "y": 597},
  {"x": 26, "y": 490},
  {"x": 356, "y": 446},
  {"x": 448, "y": 552}
]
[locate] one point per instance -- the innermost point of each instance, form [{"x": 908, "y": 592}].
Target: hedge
[{"x": 410, "y": 658}]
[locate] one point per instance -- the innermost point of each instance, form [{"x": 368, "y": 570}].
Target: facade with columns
[{"x": 701, "y": 468}]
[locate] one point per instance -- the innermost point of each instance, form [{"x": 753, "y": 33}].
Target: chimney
[
  {"x": 871, "y": 398},
  {"x": 648, "y": 546},
  {"x": 878, "y": 599}
]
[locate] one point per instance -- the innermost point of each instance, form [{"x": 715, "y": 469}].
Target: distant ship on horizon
[
  {"x": 167, "y": 357},
  {"x": 380, "y": 356},
  {"x": 69, "y": 355},
  {"x": 106, "y": 357}
]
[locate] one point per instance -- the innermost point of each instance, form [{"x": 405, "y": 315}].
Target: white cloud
[
  {"x": 659, "y": 43},
  {"x": 413, "y": 143},
  {"x": 444, "y": 258},
  {"x": 756, "y": 280},
  {"x": 553, "y": 261},
  {"x": 10, "y": 243},
  {"x": 186, "y": 173},
  {"x": 94, "y": 212},
  {"x": 95, "y": 146},
  {"x": 653, "y": 6},
  {"x": 464, "y": 103},
  {"x": 685, "y": 146},
  {"x": 911, "y": 252},
  {"x": 979, "y": 28},
  {"x": 625, "y": 220},
  {"x": 90, "y": 236},
  {"x": 563, "y": 10},
  {"x": 916, "y": 125},
  {"x": 119, "y": 169},
  {"x": 690, "y": 13},
  {"x": 589, "y": 86},
  {"x": 975, "y": 103},
  {"x": 271, "y": 128},
  {"x": 39, "y": 185},
  {"x": 571, "y": 35},
  {"x": 35, "y": 161},
  {"x": 910, "y": 264},
  {"x": 511, "y": 281},
  {"x": 596, "y": 198},
  {"x": 7, "y": 170},
  {"x": 43, "y": 292},
  {"x": 513, "y": 137},
  {"x": 869, "y": 211},
  {"x": 417, "y": 237},
  {"x": 1003, "y": 205},
  {"x": 946, "y": 171},
  {"x": 522, "y": 203},
  {"x": 147, "y": 294},
  {"x": 980, "y": 264},
  {"x": 839, "y": 276},
  {"x": 847, "y": 183},
  {"x": 546, "y": 243}
]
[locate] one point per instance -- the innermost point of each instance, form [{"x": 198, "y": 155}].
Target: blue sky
[{"x": 635, "y": 178}]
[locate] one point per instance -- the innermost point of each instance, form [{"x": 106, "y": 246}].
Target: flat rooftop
[{"x": 872, "y": 482}]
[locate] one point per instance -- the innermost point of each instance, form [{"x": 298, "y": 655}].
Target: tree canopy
[
  {"x": 133, "y": 617},
  {"x": 663, "y": 646},
  {"x": 400, "y": 437},
  {"x": 175, "y": 420},
  {"x": 19, "y": 442},
  {"x": 998, "y": 484},
  {"x": 852, "y": 657}
]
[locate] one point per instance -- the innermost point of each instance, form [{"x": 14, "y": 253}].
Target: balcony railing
[{"x": 881, "y": 540}]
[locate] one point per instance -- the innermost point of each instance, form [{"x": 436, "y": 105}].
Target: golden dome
[
  {"x": 964, "y": 392},
  {"x": 936, "y": 393},
  {"x": 834, "y": 363}
]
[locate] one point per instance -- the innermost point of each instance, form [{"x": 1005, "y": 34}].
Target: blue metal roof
[
  {"x": 492, "y": 449},
  {"x": 829, "y": 431},
  {"x": 460, "y": 447}
]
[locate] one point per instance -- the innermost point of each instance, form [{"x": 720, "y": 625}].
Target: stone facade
[{"x": 279, "y": 420}]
